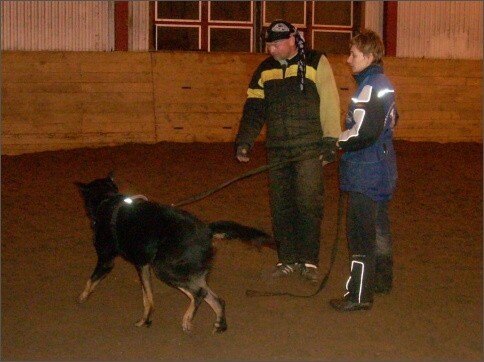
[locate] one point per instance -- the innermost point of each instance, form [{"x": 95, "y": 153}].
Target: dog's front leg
[
  {"x": 86, "y": 292},
  {"x": 145, "y": 278},
  {"x": 102, "y": 269}
]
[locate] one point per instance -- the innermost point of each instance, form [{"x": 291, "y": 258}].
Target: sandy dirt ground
[{"x": 433, "y": 313}]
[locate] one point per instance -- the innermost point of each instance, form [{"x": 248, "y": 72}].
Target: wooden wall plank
[
  {"x": 444, "y": 124},
  {"x": 462, "y": 115},
  {"x": 66, "y": 124},
  {"x": 416, "y": 67},
  {"x": 430, "y": 81},
  {"x": 408, "y": 103},
  {"x": 183, "y": 106},
  {"x": 77, "y": 139},
  {"x": 79, "y": 124}
]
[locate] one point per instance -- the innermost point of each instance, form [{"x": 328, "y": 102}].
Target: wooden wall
[{"x": 63, "y": 100}]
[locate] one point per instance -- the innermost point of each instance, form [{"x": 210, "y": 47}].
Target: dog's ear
[
  {"x": 80, "y": 185},
  {"x": 111, "y": 181}
]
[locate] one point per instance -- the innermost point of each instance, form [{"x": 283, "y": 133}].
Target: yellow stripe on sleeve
[{"x": 255, "y": 93}]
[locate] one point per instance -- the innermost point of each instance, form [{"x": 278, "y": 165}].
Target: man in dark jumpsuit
[{"x": 293, "y": 93}]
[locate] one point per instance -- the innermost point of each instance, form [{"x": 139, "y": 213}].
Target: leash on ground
[
  {"x": 334, "y": 251},
  {"x": 272, "y": 166}
]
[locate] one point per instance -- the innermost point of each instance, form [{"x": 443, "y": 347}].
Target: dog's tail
[{"x": 233, "y": 230}]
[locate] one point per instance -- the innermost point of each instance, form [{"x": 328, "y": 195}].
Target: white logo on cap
[{"x": 280, "y": 28}]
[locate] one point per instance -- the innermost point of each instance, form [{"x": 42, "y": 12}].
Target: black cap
[{"x": 279, "y": 30}]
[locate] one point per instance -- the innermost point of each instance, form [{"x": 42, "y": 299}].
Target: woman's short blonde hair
[{"x": 369, "y": 42}]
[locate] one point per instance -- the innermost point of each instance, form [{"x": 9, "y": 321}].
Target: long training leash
[
  {"x": 260, "y": 169},
  {"x": 334, "y": 251},
  {"x": 272, "y": 166}
]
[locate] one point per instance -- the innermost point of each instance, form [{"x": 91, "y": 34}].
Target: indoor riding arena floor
[{"x": 434, "y": 312}]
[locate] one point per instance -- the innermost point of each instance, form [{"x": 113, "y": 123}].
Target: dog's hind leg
[
  {"x": 218, "y": 306},
  {"x": 102, "y": 269},
  {"x": 196, "y": 298},
  {"x": 199, "y": 291},
  {"x": 145, "y": 278}
]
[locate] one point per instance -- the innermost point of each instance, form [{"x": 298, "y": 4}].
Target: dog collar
[
  {"x": 129, "y": 200},
  {"x": 126, "y": 201}
]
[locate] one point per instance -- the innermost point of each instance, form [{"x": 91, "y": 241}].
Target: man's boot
[
  {"x": 359, "y": 287},
  {"x": 383, "y": 274}
]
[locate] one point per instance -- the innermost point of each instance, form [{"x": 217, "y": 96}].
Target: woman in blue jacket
[{"x": 368, "y": 173}]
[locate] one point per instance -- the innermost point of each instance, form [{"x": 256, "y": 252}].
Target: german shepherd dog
[{"x": 175, "y": 244}]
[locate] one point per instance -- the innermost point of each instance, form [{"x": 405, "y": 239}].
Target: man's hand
[
  {"x": 328, "y": 153},
  {"x": 324, "y": 163},
  {"x": 242, "y": 153}
]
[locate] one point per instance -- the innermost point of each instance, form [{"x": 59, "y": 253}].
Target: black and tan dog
[{"x": 175, "y": 244}]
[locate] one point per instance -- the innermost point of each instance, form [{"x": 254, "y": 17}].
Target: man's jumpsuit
[{"x": 298, "y": 123}]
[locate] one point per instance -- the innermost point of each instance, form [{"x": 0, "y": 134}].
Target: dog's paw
[
  {"x": 187, "y": 327},
  {"x": 143, "y": 323},
  {"x": 81, "y": 298},
  {"x": 219, "y": 326}
]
